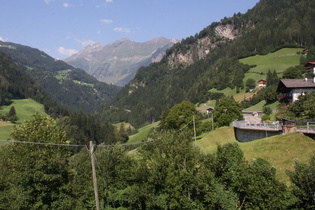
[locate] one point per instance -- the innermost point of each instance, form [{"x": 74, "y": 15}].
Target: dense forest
[
  {"x": 166, "y": 172},
  {"x": 269, "y": 26},
  {"x": 71, "y": 87}
]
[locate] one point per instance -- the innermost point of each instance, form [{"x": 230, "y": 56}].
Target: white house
[{"x": 293, "y": 88}]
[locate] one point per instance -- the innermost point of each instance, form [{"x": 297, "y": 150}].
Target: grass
[
  {"x": 63, "y": 74},
  {"x": 142, "y": 133},
  {"x": 279, "y": 61},
  {"x": 83, "y": 83},
  {"x": 281, "y": 151},
  {"x": 25, "y": 109},
  {"x": 5, "y": 130},
  {"x": 222, "y": 135}
]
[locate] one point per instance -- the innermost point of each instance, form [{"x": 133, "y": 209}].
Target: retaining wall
[{"x": 246, "y": 135}]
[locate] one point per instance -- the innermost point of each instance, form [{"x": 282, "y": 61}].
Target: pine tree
[{"x": 11, "y": 116}]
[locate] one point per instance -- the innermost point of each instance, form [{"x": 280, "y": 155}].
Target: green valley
[{"x": 165, "y": 140}]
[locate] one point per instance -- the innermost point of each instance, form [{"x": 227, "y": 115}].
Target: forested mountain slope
[
  {"x": 17, "y": 84},
  {"x": 69, "y": 86},
  {"x": 210, "y": 59},
  {"x": 14, "y": 83},
  {"x": 80, "y": 127}
]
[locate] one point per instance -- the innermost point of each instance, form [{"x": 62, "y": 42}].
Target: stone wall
[{"x": 246, "y": 135}]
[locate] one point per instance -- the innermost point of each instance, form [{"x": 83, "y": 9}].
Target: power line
[
  {"x": 43, "y": 143},
  {"x": 116, "y": 145},
  {"x": 72, "y": 145},
  {"x": 184, "y": 126}
]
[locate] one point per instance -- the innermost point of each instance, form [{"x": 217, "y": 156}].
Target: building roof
[
  {"x": 298, "y": 83},
  {"x": 285, "y": 85}
]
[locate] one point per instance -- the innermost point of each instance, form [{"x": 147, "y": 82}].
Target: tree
[
  {"x": 38, "y": 173},
  {"x": 272, "y": 78},
  {"x": 122, "y": 133},
  {"x": 180, "y": 115},
  {"x": 227, "y": 111},
  {"x": 11, "y": 116},
  {"x": 303, "y": 183},
  {"x": 304, "y": 107},
  {"x": 293, "y": 72},
  {"x": 255, "y": 183},
  {"x": 259, "y": 188},
  {"x": 250, "y": 84},
  {"x": 173, "y": 174}
]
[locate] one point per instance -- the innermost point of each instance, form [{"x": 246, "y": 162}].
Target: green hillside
[
  {"x": 142, "y": 133},
  {"x": 25, "y": 109},
  {"x": 281, "y": 151},
  {"x": 279, "y": 61}
]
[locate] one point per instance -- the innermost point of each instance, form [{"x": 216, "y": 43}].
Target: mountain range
[
  {"x": 117, "y": 63},
  {"x": 68, "y": 86}
]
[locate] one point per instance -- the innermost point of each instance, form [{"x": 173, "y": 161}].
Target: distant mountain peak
[{"x": 118, "y": 62}]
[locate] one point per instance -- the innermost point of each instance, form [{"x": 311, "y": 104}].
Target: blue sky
[{"x": 63, "y": 27}]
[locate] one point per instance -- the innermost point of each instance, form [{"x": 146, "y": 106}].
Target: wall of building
[
  {"x": 297, "y": 92},
  {"x": 246, "y": 135}
]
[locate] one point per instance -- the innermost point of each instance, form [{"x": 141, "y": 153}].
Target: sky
[{"x": 63, "y": 27}]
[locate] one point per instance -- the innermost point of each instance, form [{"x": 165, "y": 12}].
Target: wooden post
[
  {"x": 194, "y": 129},
  {"x": 97, "y": 203}
]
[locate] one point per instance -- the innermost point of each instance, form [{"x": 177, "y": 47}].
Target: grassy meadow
[
  {"x": 142, "y": 133},
  {"x": 25, "y": 109},
  {"x": 279, "y": 61}
]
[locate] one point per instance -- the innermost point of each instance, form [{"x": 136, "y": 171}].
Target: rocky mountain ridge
[
  {"x": 117, "y": 62},
  {"x": 204, "y": 46}
]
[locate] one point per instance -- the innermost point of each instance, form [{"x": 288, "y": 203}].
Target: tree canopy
[
  {"x": 180, "y": 115},
  {"x": 227, "y": 111}
]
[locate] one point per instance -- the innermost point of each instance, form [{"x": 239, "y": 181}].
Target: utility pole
[
  {"x": 194, "y": 129},
  {"x": 212, "y": 120},
  {"x": 97, "y": 203}
]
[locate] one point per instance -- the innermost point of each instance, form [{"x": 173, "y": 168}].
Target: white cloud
[
  {"x": 82, "y": 42},
  {"x": 67, "y": 52},
  {"x": 65, "y": 4},
  {"x": 1, "y": 39},
  {"x": 48, "y": 1},
  {"x": 106, "y": 21},
  {"x": 123, "y": 30},
  {"x": 103, "y": 4}
]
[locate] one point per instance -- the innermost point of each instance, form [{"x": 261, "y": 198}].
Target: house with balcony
[{"x": 293, "y": 88}]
